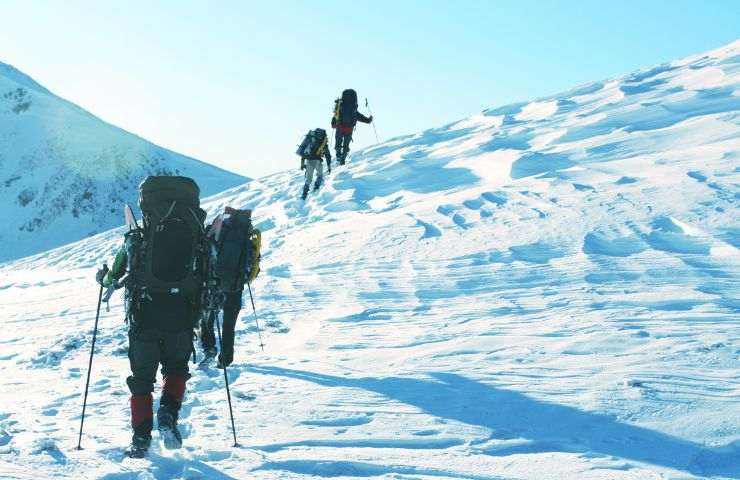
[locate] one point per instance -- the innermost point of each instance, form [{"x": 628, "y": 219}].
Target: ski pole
[
  {"x": 367, "y": 105},
  {"x": 89, "y": 366},
  {"x": 226, "y": 379},
  {"x": 259, "y": 332}
]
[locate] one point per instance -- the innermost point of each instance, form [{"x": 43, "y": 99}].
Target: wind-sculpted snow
[
  {"x": 64, "y": 173},
  {"x": 545, "y": 290}
]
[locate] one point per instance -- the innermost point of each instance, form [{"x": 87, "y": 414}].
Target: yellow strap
[
  {"x": 320, "y": 150},
  {"x": 337, "y": 107}
]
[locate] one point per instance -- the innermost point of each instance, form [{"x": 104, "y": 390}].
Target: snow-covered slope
[
  {"x": 548, "y": 290},
  {"x": 64, "y": 173}
]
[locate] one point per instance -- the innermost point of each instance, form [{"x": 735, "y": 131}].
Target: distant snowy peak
[
  {"x": 12, "y": 73},
  {"x": 65, "y": 174}
]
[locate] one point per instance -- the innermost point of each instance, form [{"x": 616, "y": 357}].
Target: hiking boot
[
  {"x": 209, "y": 353},
  {"x": 139, "y": 446},
  {"x": 225, "y": 359},
  {"x": 167, "y": 425}
]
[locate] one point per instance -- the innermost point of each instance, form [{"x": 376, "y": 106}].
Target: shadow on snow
[{"x": 549, "y": 427}]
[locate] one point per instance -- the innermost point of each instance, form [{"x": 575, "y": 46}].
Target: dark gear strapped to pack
[
  {"x": 344, "y": 120},
  {"x": 161, "y": 265},
  {"x": 237, "y": 263},
  {"x": 312, "y": 150}
]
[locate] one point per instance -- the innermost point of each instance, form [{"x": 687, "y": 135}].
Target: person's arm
[
  {"x": 255, "y": 242},
  {"x": 118, "y": 270},
  {"x": 362, "y": 118}
]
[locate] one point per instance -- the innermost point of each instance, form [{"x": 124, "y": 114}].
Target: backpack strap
[
  {"x": 169, "y": 212},
  {"x": 197, "y": 221}
]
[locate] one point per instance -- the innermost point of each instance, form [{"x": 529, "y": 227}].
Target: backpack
[
  {"x": 313, "y": 144},
  {"x": 345, "y": 110},
  {"x": 165, "y": 255},
  {"x": 238, "y": 251}
]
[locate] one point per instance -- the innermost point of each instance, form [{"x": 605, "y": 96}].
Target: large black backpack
[
  {"x": 165, "y": 254},
  {"x": 347, "y": 108},
  {"x": 313, "y": 144},
  {"x": 235, "y": 251}
]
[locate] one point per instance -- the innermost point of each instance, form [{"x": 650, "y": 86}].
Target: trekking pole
[
  {"x": 89, "y": 366},
  {"x": 367, "y": 105},
  {"x": 226, "y": 380},
  {"x": 259, "y": 332}
]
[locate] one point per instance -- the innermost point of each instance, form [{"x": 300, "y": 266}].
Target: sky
[{"x": 238, "y": 83}]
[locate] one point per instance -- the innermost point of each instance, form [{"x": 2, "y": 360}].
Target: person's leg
[
  {"x": 232, "y": 307},
  {"x": 176, "y": 349},
  {"x": 347, "y": 140},
  {"x": 338, "y": 144},
  {"x": 143, "y": 354},
  {"x": 319, "y": 175},
  {"x": 310, "y": 166},
  {"x": 207, "y": 336}
]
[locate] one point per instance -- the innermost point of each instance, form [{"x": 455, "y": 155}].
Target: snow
[
  {"x": 61, "y": 169},
  {"x": 552, "y": 297}
]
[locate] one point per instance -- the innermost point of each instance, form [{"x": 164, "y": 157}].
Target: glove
[
  {"x": 303, "y": 163},
  {"x": 333, "y": 122},
  {"x": 371, "y": 119},
  {"x": 100, "y": 274}
]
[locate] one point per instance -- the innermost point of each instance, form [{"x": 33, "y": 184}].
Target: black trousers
[
  {"x": 232, "y": 306},
  {"x": 341, "y": 145},
  {"x": 148, "y": 349}
]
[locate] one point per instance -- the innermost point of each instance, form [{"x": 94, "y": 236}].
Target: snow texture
[
  {"x": 64, "y": 172},
  {"x": 549, "y": 290}
]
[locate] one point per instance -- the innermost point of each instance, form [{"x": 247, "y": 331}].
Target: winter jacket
[
  {"x": 347, "y": 125},
  {"x": 324, "y": 152}
]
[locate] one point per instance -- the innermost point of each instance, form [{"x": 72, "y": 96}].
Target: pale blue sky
[{"x": 237, "y": 83}]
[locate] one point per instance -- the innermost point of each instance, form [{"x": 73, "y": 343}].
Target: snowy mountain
[
  {"x": 547, "y": 290},
  {"x": 65, "y": 174}
]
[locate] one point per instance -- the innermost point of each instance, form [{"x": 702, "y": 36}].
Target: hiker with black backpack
[
  {"x": 161, "y": 267},
  {"x": 312, "y": 150},
  {"x": 344, "y": 120},
  {"x": 237, "y": 264}
]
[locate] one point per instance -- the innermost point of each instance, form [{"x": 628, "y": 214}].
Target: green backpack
[{"x": 166, "y": 254}]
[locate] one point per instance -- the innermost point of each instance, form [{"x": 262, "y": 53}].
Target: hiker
[
  {"x": 238, "y": 257},
  {"x": 344, "y": 120},
  {"x": 163, "y": 292},
  {"x": 312, "y": 149}
]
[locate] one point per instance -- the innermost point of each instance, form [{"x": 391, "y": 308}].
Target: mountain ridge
[{"x": 65, "y": 173}]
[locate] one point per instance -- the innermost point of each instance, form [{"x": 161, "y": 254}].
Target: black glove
[
  {"x": 371, "y": 119},
  {"x": 100, "y": 274},
  {"x": 303, "y": 163}
]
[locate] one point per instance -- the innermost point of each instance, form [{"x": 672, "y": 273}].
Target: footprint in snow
[{"x": 52, "y": 356}]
